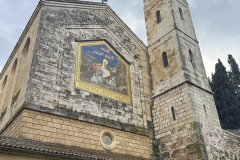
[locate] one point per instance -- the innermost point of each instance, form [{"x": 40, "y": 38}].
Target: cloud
[
  {"x": 14, "y": 16},
  {"x": 217, "y": 24}
]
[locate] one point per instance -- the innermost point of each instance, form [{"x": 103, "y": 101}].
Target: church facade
[{"x": 80, "y": 84}]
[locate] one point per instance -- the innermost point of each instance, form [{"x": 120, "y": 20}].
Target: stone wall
[
  {"x": 184, "y": 111},
  {"x": 224, "y": 145},
  {"x": 176, "y": 37},
  {"x": 17, "y": 70},
  {"x": 236, "y": 131},
  {"x": 80, "y": 116},
  {"x": 182, "y": 118},
  {"x": 51, "y": 87},
  {"x": 196, "y": 132},
  {"x": 44, "y": 127},
  {"x": 14, "y": 129}
]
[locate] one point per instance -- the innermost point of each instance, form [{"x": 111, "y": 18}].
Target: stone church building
[{"x": 80, "y": 84}]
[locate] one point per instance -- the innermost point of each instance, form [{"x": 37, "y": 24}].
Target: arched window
[
  {"x": 204, "y": 107},
  {"x": 13, "y": 79},
  {"x": 22, "y": 63},
  {"x": 2, "y": 93},
  {"x": 158, "y": 17},
  {"x": 191, "y": 56},
  {"x": 165, "y": 59},
  {"x": 181, "y": 13},
  {"x": 173, "y": 113},
  {"x": 4, "y": 82},
  {"x": 26, "y": 47},
  {"x": 14, "y": 66}
]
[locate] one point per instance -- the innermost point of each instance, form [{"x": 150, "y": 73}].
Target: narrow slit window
[
  {"x": 191, "y": 56},
  {"x": 173, "y": 113},
  {"x": 205, "y": 111},
  {"x": 181, "y": 13},
  {"x": 165, "y": 59},
  {"x": 159, "y": 19}
]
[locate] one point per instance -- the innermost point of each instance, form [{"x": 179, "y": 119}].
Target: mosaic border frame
[{"x": 98, "y": 90}]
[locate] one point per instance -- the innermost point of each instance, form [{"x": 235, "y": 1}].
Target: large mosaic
[{"x": 102, "y": 71}]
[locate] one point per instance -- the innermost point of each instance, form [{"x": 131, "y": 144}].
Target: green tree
[
  {"x": 225, "y": 98},
  {"x": 234, "y": 75}
]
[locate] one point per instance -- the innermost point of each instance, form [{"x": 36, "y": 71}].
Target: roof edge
[
  {"x": 64, "y": 3},
  {"x": 130, "y": 32},
  {"x": 99, "y": 6},
  {"x": 27, "y": 146},
  {"x": 19, "y": 42}
]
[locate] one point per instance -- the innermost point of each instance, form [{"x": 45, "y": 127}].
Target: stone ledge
[{"x": 69, "y": 113}]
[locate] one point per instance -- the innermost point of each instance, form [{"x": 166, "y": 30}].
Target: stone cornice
[{"x": 180, "y": 84}]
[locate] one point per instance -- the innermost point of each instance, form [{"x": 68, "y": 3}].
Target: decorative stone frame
[
  {"x": 107, "y": 132},
  {"x": 97, "y": 89}
]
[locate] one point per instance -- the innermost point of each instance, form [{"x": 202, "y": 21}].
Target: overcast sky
[{"x": 217, "y": 24}]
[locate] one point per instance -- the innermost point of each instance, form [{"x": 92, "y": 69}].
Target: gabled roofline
[
  {"x": 129, "y": 31},
  {"x": 77, "y": 4},
  {"x": 97, "y": 5}
]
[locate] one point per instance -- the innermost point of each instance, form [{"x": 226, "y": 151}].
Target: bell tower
[{"x": 183, "y": 106}]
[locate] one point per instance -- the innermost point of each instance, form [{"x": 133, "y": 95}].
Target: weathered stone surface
[
  {"x": 49, "y": 81},
  {"x": 37, "y": 126},
  {"x": 223, "y": 145},
  {"x": 172, "y": 114},
  {"x": 184, "y": 110},
  {"x": 13, "y": 96},
  {"x": 53, "y": 70},
  {"x": 236, "y": 131}
]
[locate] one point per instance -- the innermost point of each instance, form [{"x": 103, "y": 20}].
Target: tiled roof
[{"x": 58, "y": 150}]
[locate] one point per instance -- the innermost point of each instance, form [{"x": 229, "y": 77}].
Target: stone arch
[
  {"x": 26, "y": 47},
  {"x": 3, "y": 92},
  {"x": 4, "y": 83},
  {"x": 14, "y": 67},
  {"x": 10, "y": 86},
  {"x": 21, "y": 69}
]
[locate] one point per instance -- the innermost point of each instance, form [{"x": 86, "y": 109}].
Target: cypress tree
[
  {"x": 234, "y": 75},
  {"x": 225, "y": 99}
]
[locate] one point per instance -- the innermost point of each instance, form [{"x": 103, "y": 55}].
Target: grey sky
[{"x": 217, "y": 24}]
